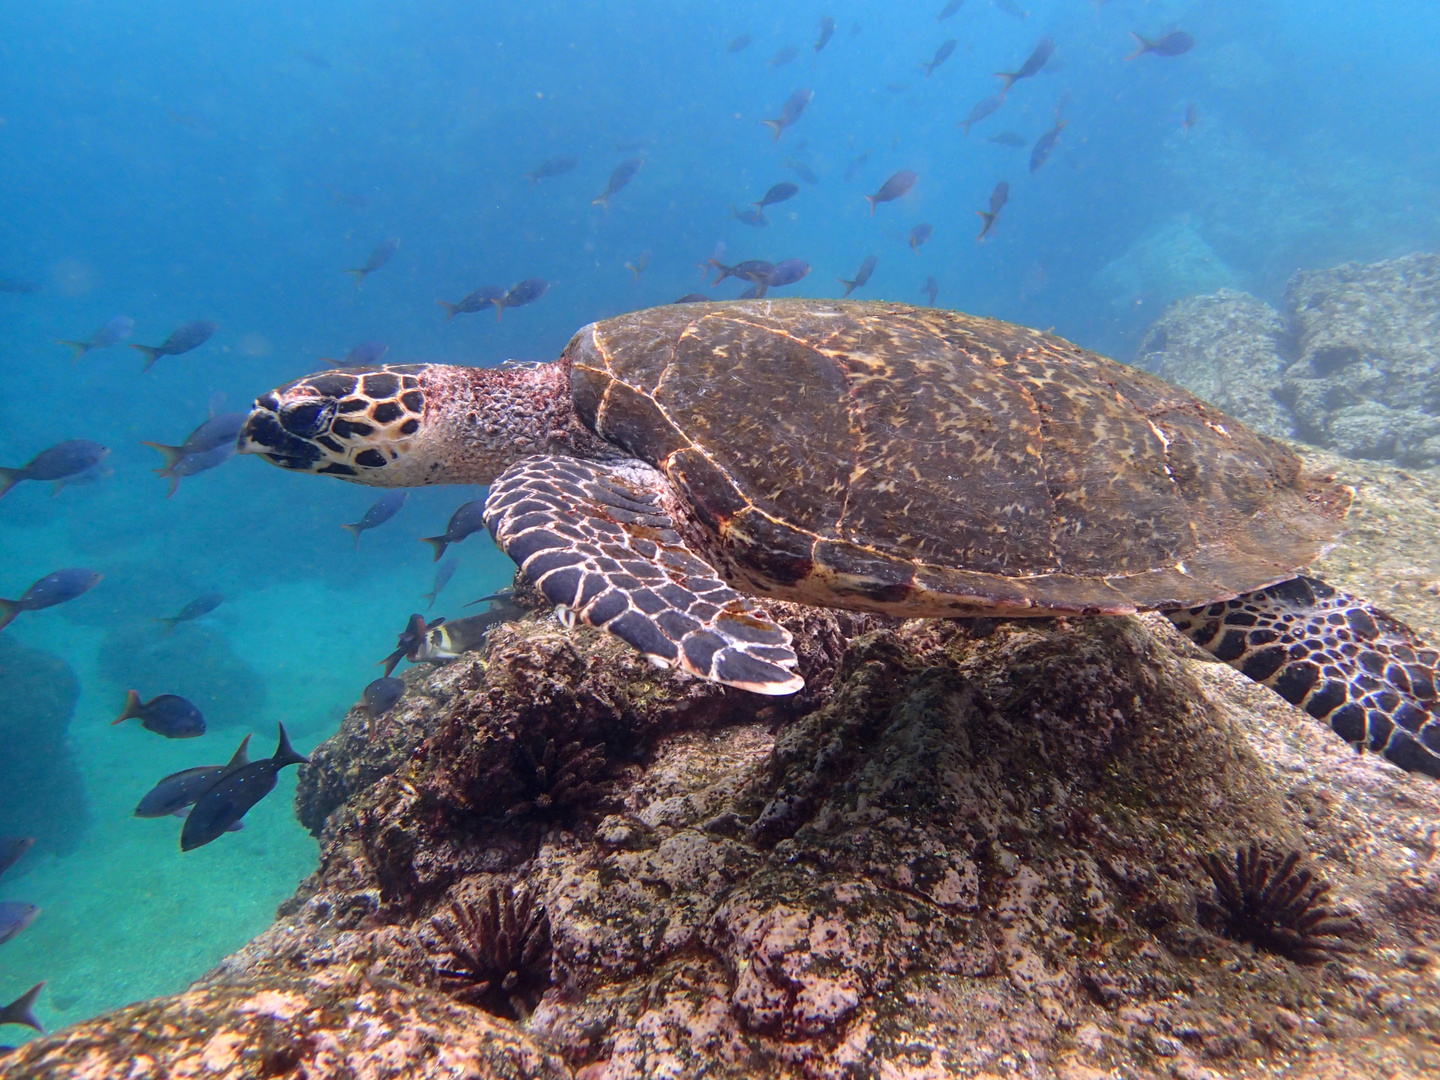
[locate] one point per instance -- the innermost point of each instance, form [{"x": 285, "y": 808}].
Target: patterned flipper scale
[
  {"x": 596, "y": 541},
  {"x": 1341, "y": 660}
]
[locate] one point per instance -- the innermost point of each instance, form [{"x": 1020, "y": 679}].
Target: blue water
[{"x": 228, "y": 160}]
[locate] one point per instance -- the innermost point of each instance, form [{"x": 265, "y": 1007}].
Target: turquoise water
[{"x": 168, "y": 162}]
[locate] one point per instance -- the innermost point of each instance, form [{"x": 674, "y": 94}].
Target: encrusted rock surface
[
  {"x": 1352, "y": 365},
  {"x": 967, "y": 850}
]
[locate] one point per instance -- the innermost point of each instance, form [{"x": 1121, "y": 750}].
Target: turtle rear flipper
[
  {"x": 1345, "y": 662},
  {"x": 596, "y": 540}
]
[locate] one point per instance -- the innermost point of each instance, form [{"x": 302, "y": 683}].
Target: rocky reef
[
  {"x": 44, "y": 796},
  {"x": 1352, "y": 364},
  {"x": 1049, "y": 848}
]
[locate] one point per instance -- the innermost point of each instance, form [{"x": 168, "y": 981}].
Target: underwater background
[{"x": 173, "y": 162}]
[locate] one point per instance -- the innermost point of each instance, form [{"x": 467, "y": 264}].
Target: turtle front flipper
[
  {"x": 1341, "y": 660},
  {"x": 597, "y": 541}
]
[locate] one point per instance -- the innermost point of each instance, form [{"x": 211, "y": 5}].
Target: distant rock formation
[
  {"x": 967, "y": 849},
  {"x": 42, "y": 793},
  {"x": 1352, "y": 365}
]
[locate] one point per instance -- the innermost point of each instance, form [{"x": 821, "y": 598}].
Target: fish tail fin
[
  {"x": 603, "y": 200},
  {"x": 989, "y": 220},
  {"x": 172, "y": 455},
  {"x": 22, "y": 1009},
  {"x": 432, "y": 597},
  {"x": 439, "y": 543},
  {"x": 354, "y": 530},
  {"x": 170, "y": 622},
  {"x": 152, "y": 353},
  {"x": 776, "y": 126},
  {"x": 285, "y": 754},
  {"x": 966, "y": 125},
  {"x": 131, "y": 710},
  {"x": 1009, "y": 77},
  {"x": 450, "y": 309},
  {"x": 8, "y": 610},
  {"x": 849, "y": 286},
  {"x": 8, "y": 479},
  {"x": 874, "y": 202},
  {"x": 1141, "y": 46},
  {"x": 534, "y": 178},
  {"x": 80, "y": 347},
  {"x": 359, "y": 276}
]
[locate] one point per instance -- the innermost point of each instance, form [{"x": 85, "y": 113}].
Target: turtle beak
[{"x": 277, "y": 432}]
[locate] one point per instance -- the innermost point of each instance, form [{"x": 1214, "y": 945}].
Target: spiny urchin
[
  {"x": 1276, "y": 905},
  {"x": 499, "y": 949},
  {"x": 558, "y": 781}
]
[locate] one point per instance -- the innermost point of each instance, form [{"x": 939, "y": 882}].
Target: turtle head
[
  {"x": 404, "y": 425},
  {"x": 366, "y": 425}
]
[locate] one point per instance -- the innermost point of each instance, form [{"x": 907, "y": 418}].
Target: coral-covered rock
[
  {"x": 969, "y": 849},
  {"x": 1228, "y": 348},
  {"x": 1353, "y": 364}
]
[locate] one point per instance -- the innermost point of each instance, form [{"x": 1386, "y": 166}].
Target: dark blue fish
[
  {"x": 800, "y": 169},
  {"x": 783, "y": 56},
  {"x": 1007, "y": 138},
  {"x": 18, "y": 286},
  {"x": 853, "y": 169},
  {"x": 22, "y": 1010},
  {"x": 181, "y": 789},
  {"x": 112, "y": 333},
  {"x": 527, "y": 292},
  {"x": 442, "y": 578},
  {"x": 367, "y": 352},
  {"x": 378, "y": 258},
  {"x": 741, "y": 42},
  {"x": 231, "y": 796},
  {"x": 919, "y": 234},
  {"x": 11, "y": 850},
  {"x": 475, "y": 301},
  {"x": 190, "y": 336},
  {"x": 1011, "y": 8},
  {"x": 861, "y": 276},
  {"x": 931, "y": 290},
  {"x": 381, "y": 511},
  {"x": 898, "y": 185},
  {"x": 941, "y": 55},
  {"x": 469, "y": 518},
  {"x": 623, "y": 174},
  {"x": 60, "y": 462},
  {"x": 209, "y": 445},
  {"x": 551, "y": 167},
  {"x": 787, "y": 272},
  {"x": 692, "y": 298},
  {"x": 982, "y": 109},
  {"x": 827, "y": 31},
  {"x": 14, "y": 917},
  {"x": 50, "y": 590},
  {"x": 1045, "y": 145},
  {"x": 998, "y": 198},
  {"x": 381, "y": 695},
  {"x": 169, "y": 715},
  {"x": 778, "y": 193},
  {"x": 790, "y": 112},
  {"x": 750, "y": 215},
  {"x": 1032, "y": 65},
  {"x": 751, "y": 270},
  {"x": 202, "y": 605},
  {"x": 948, "y": 10},
  {"x": 1169, "y": 45}
]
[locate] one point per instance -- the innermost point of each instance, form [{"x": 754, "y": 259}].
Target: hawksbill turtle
[{"x": 675, "y": 463}]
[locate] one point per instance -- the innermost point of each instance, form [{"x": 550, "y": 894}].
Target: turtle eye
[{"x": 307, "y": 419}]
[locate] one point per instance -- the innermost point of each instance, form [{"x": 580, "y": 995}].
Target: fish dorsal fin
[{"x": 242, "y": 756}]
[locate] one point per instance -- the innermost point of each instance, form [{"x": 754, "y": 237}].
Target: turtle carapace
[{"x": 676, "y": 462}]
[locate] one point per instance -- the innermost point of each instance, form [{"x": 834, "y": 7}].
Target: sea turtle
[{"x": 879, "y": 457}]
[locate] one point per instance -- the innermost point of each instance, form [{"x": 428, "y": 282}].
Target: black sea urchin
[
  {"x": 559, "y": 780},
  {"x": 500, "y": 950},
  {"x": 1275, "y": 905}
]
